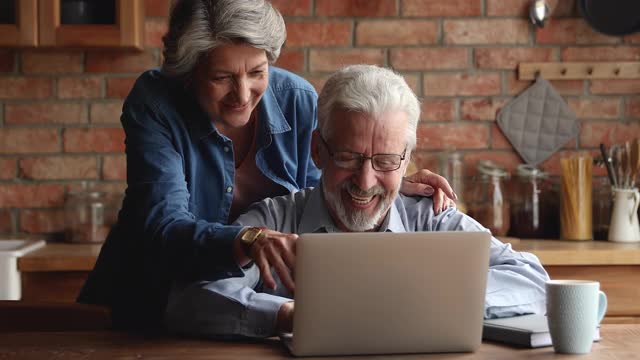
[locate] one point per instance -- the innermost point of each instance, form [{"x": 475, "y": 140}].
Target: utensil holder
[
  {"x": 576, "y": 221},
  {"x": 624, "y": 219}
]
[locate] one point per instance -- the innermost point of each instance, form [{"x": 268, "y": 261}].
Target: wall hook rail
[{"x": 579, "y": 70}]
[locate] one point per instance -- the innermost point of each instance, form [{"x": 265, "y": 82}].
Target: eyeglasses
[{"x": 354, "y": 161}]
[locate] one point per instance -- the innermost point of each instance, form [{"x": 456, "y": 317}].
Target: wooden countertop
[
  {"x": 618, "y": 342},
  {"x": 82, "y": 257},
  {"x": 61, "y": 257},
  {"x": 592, "y": 252}
]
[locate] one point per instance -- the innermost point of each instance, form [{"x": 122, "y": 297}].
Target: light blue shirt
[{"x": 240, "y": 306}]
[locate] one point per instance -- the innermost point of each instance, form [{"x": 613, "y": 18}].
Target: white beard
[{"x": 358, "y": 220}]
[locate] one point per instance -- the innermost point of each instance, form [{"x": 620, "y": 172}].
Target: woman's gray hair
[
  {"x": 371, "y": 90},
  {"x": 198, "y": 26}
]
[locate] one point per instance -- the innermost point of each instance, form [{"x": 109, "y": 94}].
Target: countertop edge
[{"x": 82, "y": 257}]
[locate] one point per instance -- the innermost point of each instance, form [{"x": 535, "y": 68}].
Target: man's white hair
[{"x": 371, "y": 90}]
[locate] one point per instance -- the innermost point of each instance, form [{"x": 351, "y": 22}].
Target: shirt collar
[
  {"x": 316, "y": 217},
  {"x": 393, "y": 221}
]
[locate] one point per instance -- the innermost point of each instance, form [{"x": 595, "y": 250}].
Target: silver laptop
[{"x": 383, "y": 293}]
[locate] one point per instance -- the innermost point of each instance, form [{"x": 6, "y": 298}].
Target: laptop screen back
[{"x": 377, "y": 293}]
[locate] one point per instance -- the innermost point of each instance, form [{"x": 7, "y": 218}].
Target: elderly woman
[{"x": 215, "y": 130}]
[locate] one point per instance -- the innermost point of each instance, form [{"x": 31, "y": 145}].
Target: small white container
[
  {"x": 10, "y": 251},
  {"x": 624, "y": 218}
]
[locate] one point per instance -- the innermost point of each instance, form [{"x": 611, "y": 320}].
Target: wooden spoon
[{"x": 624, "y": 162}]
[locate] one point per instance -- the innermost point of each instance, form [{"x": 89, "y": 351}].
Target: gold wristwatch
[{"x": 248, "y": 237}]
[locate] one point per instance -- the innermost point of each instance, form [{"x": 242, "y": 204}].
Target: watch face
[
  {"x": 251, "y": 235},
  {"x": 248, "y": 238}
]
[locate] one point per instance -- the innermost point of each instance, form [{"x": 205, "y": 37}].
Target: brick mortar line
[{"x": 62, "y": 182}]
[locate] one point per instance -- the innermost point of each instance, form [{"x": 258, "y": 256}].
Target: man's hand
[
  {"x": 277, "y": 250},
  {"x": 284, "y": 322},
  {"x": 427, "y": 183}
]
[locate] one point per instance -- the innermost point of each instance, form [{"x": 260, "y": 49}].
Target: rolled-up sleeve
[
  {"x": 226, "y": 308},
  {"x": 516, "y": 280},
  {"x": 236, "y": 306}
]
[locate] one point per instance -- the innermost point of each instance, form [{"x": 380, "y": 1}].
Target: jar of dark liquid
[
  {"x": 488, "y": 203},
  {"x": 602, "y": 203},
  {"x": 534, "y": 210}
]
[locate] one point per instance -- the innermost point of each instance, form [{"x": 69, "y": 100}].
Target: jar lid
[
  {"x": 488, "y": 167},
  {"x": 530, "y": 171},
  {"x": 85, "y": 193},
  {"x": 86, "y": 196}
]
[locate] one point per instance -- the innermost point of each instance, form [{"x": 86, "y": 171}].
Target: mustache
[{"x": 356, "y": 190}]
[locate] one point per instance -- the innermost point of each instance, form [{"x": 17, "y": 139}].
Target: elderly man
[{"x": 367, "y": 118}]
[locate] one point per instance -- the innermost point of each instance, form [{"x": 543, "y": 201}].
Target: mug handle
[
  {"x": 636, "y": 202},
  {"x": 602, "y": 305}
]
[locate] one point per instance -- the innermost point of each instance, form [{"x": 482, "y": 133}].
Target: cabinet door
[
  {"x": 19, "y": 24},
  {"x": 124, "y": 30}
]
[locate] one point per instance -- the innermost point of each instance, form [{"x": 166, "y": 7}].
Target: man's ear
[{"x": 316, "y": 149}]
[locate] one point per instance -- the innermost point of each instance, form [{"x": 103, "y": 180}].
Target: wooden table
[{"x": 618, "y": 342}]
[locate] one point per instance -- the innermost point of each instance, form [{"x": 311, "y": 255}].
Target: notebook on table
[
  {"x": 525, "y": 331},
  {"x": 383, "y": 293}
]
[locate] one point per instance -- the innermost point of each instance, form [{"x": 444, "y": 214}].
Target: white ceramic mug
[
  {"x": 574, "y": 310},
  {"x": 624, "y": 219}
]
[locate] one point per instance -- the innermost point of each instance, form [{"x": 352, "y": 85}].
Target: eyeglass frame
[{"x": 362, "y": 157}]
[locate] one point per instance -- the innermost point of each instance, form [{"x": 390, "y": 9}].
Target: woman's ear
[{"x": 316, "y": 149}]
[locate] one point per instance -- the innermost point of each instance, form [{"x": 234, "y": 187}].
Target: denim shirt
[{"x": 180, "y": 177}]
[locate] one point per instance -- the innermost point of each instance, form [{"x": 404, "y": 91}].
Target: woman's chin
[{"x": 235, "y": 120}]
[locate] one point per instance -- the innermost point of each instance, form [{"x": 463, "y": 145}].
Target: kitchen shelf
[
  {"x": 127, "y": 32},
  {"x": 39, "y": 25},
  {"x": 24, "y": 32}
]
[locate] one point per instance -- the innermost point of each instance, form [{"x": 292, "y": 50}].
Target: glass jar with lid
[
  {"x": 534, "y": 206},
  {"x": 87, "y": 215},
  {"x": 452, "y": 168},
  {"x": 488, "y": 203}
]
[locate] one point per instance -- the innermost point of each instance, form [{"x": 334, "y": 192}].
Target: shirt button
[
  {"x": 226, "y": 149},
  {"x": 229, "y": 189}
]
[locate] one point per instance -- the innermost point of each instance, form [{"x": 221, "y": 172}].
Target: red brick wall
[{"x": 59, "y": 109}]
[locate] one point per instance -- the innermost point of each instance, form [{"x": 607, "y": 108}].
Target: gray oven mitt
[{"x": 538, "y": 122}]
